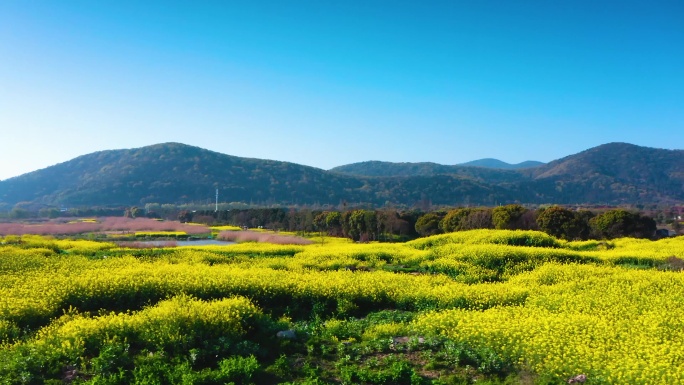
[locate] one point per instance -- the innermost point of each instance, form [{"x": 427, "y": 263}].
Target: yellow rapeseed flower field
[{"x": 609, "y": 309}]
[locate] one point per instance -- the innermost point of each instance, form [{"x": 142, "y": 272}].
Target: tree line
[
  {"x": 359, "y": 225},
  {"x": 558, "y": 221},
  {"x": 390, "y": 224},
  {"x": 397, "y": 225}
]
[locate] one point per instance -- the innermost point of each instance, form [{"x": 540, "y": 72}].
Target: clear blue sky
[{"x": 326, "y": 83}]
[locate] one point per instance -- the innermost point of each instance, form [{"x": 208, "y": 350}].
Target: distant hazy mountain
[
  {"x": 176, "y": 173},
  {"x": 483, "y": 169},
  {"x": 495, "y": 163},
  {"x": 389, "y": 169}
]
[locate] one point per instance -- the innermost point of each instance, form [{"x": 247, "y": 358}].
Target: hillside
[
  {"x": 176, "y": 173},
  {"x": 171, "y": 172},
  {"x": 482, "y": 169},
  {"x": 616, "y": 172},
  {"x": 389, "y": 169}
]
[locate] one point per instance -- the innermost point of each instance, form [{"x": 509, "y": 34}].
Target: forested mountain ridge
[
  {"x": 616, "y": 172},
  {"x": 483, "y": 169},
  {"x": 177, "y": 173},
  {"x": 171, "y": 172},
  {"x": 389, "y": 169}
]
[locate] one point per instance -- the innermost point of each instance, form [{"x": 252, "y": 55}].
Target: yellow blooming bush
[
  {"x": 619, "y": 326},
  {"x": 483, "y": 236},
  {"x": 225, "y": 228},
  {"x": 171, "y": 324}
]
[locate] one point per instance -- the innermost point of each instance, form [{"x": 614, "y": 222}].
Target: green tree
[
  {"x": 507, "y": 217},
  {"x": 622, "y": 223},
  {"x": 19, "y": 213},
  {"x": 428, "y": 224},
  {"x": 645, "y": 228},
  {"x": 357, "y": 224},
  {"x": 370, "y": 221},
  {"x": 455, "y": 220},
  {"x": 563, "y": 223},
  {"x": 319, "y": 222},
  {"x": 333, "y": 222},
  {"x": 583, "y": 217},
  {"x": 361, "y": 225}
]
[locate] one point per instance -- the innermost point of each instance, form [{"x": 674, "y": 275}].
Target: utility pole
[{"x": 216, "y": 210}]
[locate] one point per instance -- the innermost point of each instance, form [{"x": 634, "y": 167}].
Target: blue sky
[{"x": 326, "y": 83}]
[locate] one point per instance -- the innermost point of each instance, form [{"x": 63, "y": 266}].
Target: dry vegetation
[
  {"x": 99, "y": 225},
  {"x": 253, "y": 236}
]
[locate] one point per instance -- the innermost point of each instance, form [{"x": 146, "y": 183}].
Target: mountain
[
  {"x": 616, "y": 172},
  {"x": 389, "y": 169},
  {"x": 169, "y": 173},
  {"x": 176, "y": 173},
  {"x": 483, "y": 169},
  {"x": 495, "y": 163}
]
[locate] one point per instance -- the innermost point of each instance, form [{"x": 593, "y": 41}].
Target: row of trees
[
  {"x": 557, "y": 221},
  {"x": 27, "y": 210},
  {"x": 393, "y": 225},
  {"x": 359, "y": 225}
]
